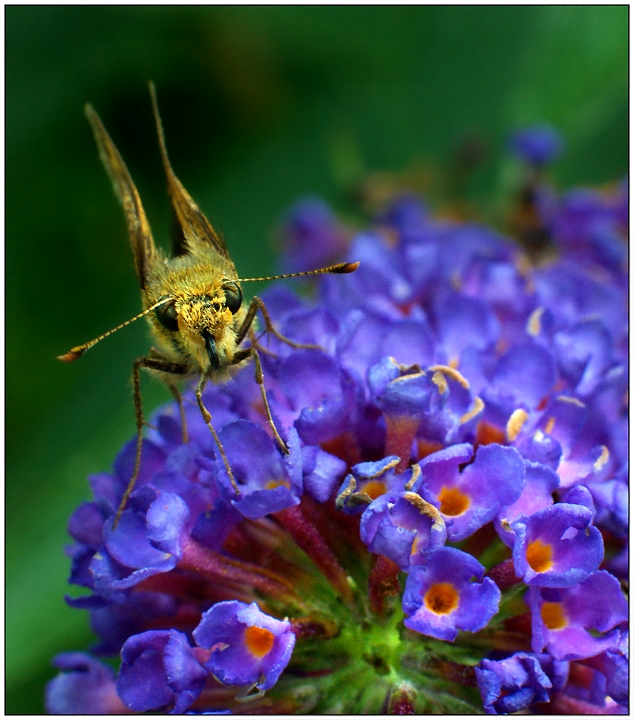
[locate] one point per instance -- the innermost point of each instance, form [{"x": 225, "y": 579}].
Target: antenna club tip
[
  {"x": 71, "y": 355},
  {"x": 349, "y": 267}
]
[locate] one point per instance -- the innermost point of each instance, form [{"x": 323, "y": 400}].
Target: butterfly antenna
[
  {"x": 340, "y": 269},
  {"x": 78, "y": 351}
]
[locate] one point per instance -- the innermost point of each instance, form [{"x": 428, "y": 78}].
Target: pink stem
[
  {"x": 202, "y": 560},
  {"x": 504, "y": 575},
  {"x": 311, "y": 541},
  {"x": 383, "y": 581},
  {"x": 400, "y": 433},
  {"x": 401, "y": 701}
]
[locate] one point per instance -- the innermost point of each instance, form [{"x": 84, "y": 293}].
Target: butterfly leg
[
  {"x": 259, "y": 379},
  {"x": 207, "y": 418},
  {"x": 258, "y": 304},
  {"x": 151, "y": 363}
]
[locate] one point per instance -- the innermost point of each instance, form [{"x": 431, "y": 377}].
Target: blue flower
[
  {"x": 312, "y": 236},
  {"x": 159, "y": 671},
  {"x": 458, "y": 453},
  {"x": 440, "y": 597},
  {"x": 613, "y": 664},
  {"x": 588, "y": 223},
  {"x": 538, "y": 145},
  {"x": 513, "y": 684},
  {"x": 557, "y": 546},
  {"x": 471, "y": 498},
  {"x": 84, "y": 686},
  {"x": 562, "y": 619},
  {"x": 369, "y": 481},
  {"x": 247, "y": 647},
  {"x": 268, "y": 482},
  {"x": 541, "y": 483},
  {"x": 403, "y": 528}
]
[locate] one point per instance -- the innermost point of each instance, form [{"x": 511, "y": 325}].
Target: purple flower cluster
[{"x": 449, "y": 529}]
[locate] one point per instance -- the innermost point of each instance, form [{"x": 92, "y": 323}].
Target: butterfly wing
[
  {"x": 196, "y": 231},
  {"x": 143, "y": 249}
]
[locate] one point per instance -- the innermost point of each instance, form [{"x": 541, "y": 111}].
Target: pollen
[
  {"x": 478, "y": 407},
  {"x": 439, "y": 381},
  {"x": 374, "y": 488},
  {"x": 453, "y": 502},
  {"x": 451, "y": 371},
  {"x": 441, "y": 598},
  {"x": 259, "y": 641},
  {"x": 534, "y": 324},
  {"x": 515, "y": 423},
  {"x": 549, "y": 425},
  {"x": 539, "y": 556},
  {"x": 602, "y": 460},
  {"x": 271, "y": 484},
  {"x": 553, "y": 615}
]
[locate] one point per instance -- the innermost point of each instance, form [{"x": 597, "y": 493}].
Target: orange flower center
[
  {"x": 487, "y": 434},
  {"x": 259, "y": 641},
  {"x": 553, "y": 615},
  {"x": 374, "y": 488},
  {"x": 427, "y": 447},
  {"x": 539, "y": 556},
  {"x": 453, "y": 502},
  {"x": 441, "y": 598}
]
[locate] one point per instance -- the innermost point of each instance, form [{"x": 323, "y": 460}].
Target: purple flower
[
  {"x": 571, "y": 293},
  {"x": 589, "y": 225},
  {"x": 159, "y": 671},
  {"x": 464, "y": 322},
  {"x": 369, "y": 481},
  {"x": 311, "y": 235},
  {"x": 440, "y": 597},
  {"x": 613, "y": 664},
  {"x": 404, "y": 528},
  {"x": 541, "y": 483},
  {"x": 247, "y": 646},
  {"x": 434, "y": 403},
  {"x": 513, "y": 684},
  {"x": 469, "y": 499},
  {"x": 521, "y": 378},
  {"x": 321, "y": 471},
  {"x": 452, "y": 393},
  {"x": 406, "y": 214},
  {"x": 322, "y": 397},
  {"x": 145, "y": 543},
  {"x": 611, "y": 500},
  {"x": 538, "y": 145},
  {"x": 584, "y": 353},
  {"x": 562, "y": 618},
  {"x": 84, "y": 686},
  {"x": 557, "y": 546},
  {"x": 268, "y": 482}
]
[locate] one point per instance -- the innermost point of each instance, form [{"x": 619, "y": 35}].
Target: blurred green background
[{"x": 260, "y": 106}]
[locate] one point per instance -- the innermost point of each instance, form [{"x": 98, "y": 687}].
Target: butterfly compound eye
[
  {"x": 166, "y": 315},
  {"x": 233, "y": 296}
]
